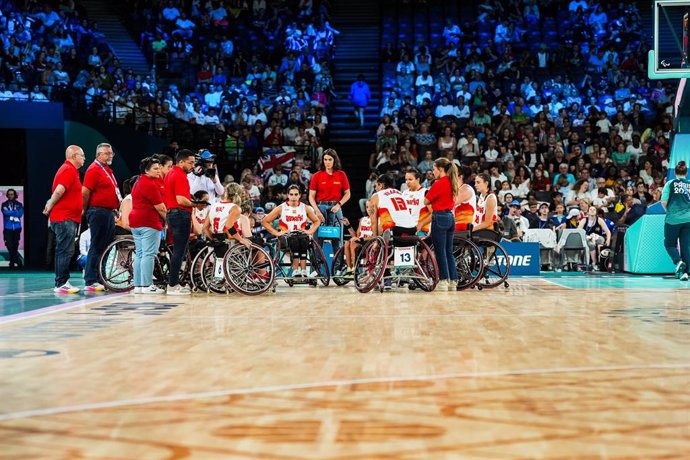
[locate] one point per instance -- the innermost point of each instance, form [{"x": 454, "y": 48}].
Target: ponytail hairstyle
[
  {"x": 452, "y": 173},
  {"x": 681, "y": 169},
  {"x": 465, "y": 172},
  {"x": 234, "y": 192}
]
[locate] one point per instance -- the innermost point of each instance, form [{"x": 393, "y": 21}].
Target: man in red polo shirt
[
  {"x": 101, "y": 197},
  {"x": 64, "y": 210},
  {"x": 178, "y": 202}
]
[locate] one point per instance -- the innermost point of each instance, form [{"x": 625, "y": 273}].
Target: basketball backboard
[{"x": 669, "y": 57}]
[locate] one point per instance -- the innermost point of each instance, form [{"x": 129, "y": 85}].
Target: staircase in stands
[
  {"x": 123, "y": 45},
  {"x": 357, "y": 52}
]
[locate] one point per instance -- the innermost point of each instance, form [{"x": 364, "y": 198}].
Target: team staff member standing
[
  {"x": 146, "y": 219},
  {"x": 676, "y": 199},
  {"x": 441, "y": 196},
  {"x": 12, "y": 213},
  {"x": 101, "y": 198},
  {"x": 64, "y": 210},
  {"x": 329, "y": 188},
  {"x": 179, "y": 206}
]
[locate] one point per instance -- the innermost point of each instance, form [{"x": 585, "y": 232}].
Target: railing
[{"x": 143, "y": 120}]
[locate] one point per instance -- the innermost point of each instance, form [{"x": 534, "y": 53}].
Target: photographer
[{"x": 205, "y": 176}]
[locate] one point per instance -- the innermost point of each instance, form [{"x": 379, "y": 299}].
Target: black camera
[{"x": 201, "y": 167}]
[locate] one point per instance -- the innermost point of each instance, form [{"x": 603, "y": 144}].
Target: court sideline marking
[
  {"x": 57, "y": 308},
  {"x": 313, "y": 385}
]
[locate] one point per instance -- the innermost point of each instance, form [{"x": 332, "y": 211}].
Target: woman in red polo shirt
[
  {"x": 441, "y": 196},
  {"x": 146, "y": 220},
  {"x": 329, "y": 189}
]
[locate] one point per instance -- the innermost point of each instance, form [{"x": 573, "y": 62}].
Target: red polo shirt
[
  {"x": 176, "y": 183},
  {"x": 70, "y": 205},
  {"x": 145, "y": 195},
  {"x": 100, "y": 180},
  {"x": 329, "y": 187},
  {"x": 440, "y": 195}
]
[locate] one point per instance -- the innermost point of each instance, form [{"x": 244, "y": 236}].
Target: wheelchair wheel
[
  {"x": 427, "y": 268},
  {"x": 468, "y": 262},
  {"x": 116, "y": 266},
  {"x": 371, "y": 264},
  {"x": 195, "y": 280},
  {"x": 318, "y": 263},
  {"x": 339, "y": 268},
  {"x": 496, "y": 264},
  {"x": 185, "y": 268},
  {"x": 209, "y": 273},
  {"x": 249, "y": 271}
]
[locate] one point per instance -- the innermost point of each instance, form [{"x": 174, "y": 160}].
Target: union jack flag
[{"x": 271, "y": 158}]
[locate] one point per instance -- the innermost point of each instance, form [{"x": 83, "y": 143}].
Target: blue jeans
[
  {"x": 146, "y": 243},
  {"x": 180, "y": 224},
  {"x": 442, "y": 230},
  {"x": 332, "y": 220},
  {"x": 65, "y": 234},
  {"x": 673, "y": 233},
  {"x": 102, "y": 226}
]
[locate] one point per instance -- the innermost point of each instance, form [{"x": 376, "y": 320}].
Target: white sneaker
[
  {"x": 452, "y": 285},
  {"x": 680, "y": 269},
  {"x": 684, "y": 277},
  {"x": 153, "y": 289},
  {"x": 178, "y": 290},
  {"x": 137, "y": 290},
  {"x": 297, "y": 273},
  {"x": 95, "y": 287},
  {"x": 312, "y": 275},
  {"x": 66, "y": 289},
  {"x": 442, "y": 285}
]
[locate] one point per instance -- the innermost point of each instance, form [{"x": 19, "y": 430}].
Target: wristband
[{"x": 232, "y": 231}]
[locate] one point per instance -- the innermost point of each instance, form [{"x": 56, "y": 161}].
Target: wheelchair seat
[{"x": 401, "y": 241}]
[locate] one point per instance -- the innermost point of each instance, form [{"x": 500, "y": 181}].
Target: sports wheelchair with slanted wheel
[
  {"x": 387, "y": 260},
  {"x": 496, "y": 267},
  {"x": 116, "y": 267},
  {"x": 317, "y": 266}
]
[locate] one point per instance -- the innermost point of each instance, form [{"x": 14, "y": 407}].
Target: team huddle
[{"x": 161, "y": 197}]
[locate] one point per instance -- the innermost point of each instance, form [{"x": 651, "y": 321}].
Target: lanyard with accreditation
[{"x": 112, "y": 180}]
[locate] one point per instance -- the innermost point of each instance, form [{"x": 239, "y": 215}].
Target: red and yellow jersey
[
  {"x": 480, "y": 214},
  {"x": 365, "y": 230},
  {"x": 218, "y": 216},
  {"x": 293, "y": 218},
  {"x": 418, "y": 210},
  {"x": 465, "y": 211},
  {"x": 393, "y": 210}
]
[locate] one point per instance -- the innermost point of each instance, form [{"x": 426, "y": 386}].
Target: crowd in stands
[
  {"x": 258, "y": 75},
  {"x": 45, "y": 50},
  {"x": 560, "y": 125}
]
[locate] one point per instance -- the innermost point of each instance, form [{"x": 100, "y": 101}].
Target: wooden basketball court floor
[{"x": 551, "y": 368}]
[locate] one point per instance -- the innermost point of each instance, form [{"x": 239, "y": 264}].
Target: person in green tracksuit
[{"x": 676, "y": 199}]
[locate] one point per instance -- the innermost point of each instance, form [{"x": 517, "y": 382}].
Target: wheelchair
[
  {"x": 496, "y": 264},
  {"x": 116, "y": 267},
  {"x": 395, "y": 260},
  {"x": 316, "y": 261},
  {"x": 469, "y": 261},
  {"x": 248, "y": 270},
  {"x": 339, "y": 273},
  {"x": 206, "y": 272}
]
